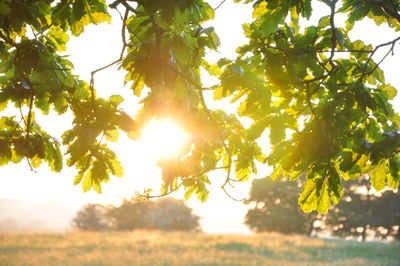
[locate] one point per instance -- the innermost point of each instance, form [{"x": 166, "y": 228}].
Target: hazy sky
[{"x": 100, "y": 45}]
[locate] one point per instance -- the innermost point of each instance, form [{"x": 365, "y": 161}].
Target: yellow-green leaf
[
  {"x": 4, "y": 9},
  {"x": 378, "y": 174},
  {"x": 118, "y": 169},
  {"x": 260, "y": 10},
  {"x": 3, "y": 105},
  {"x": 36, "y": 161},
  {"x": 324, "y": 202},
  {"x": 308, "y": 198},
  {"x": 116, "y": 100},
  {"x": 390, "y": 91},
  {"x": 87, "y": 182}
]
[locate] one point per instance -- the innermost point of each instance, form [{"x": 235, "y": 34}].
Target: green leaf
[
  {"x": 116, "y": 100},
  {"x": 257, "y": 128},
  {"x": 78, "y": 179},
  {"x": 112, "y": 135},
  {"x": 5, "y": 9},
  {"x": 260, "y": 9},
  {"x": 57, "y": 38},
  {"x": 378, "y": 174},
  {"x": 189, "y": 192},
  {"x": 324, "y": 202},
  {"x": 16, "y": 157},
  {"x": 3, "y": 105},
  {"x": 324, "y": 22},
  {"x": 394, "y": 169},
  {"x": 278, "y": 125},
  {"x": 308, "y": 199},
  {"x": 138, "y": 86},
  {"x": 390, "y": 91},
  {"x": 87, "y": 182},
  {"x": 270, "y": 25},
  {"x": 118, "y": 170}
]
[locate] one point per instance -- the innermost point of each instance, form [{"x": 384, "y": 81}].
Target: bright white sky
[{"x": 100, "y": 45}]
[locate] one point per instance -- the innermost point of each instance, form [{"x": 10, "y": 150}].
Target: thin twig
[
  {"x": 364, "y": 73},
  {"x": 332, "y": 5},
  {"x": 20, "y": 111},
  {"x": 125, "y": 4},
  {"x": 383, "y": 58},
  {"x": 32, "y": 98},
  {"x": 324, "y": 131},
  {"x": 124, "y": 45},
  {"x": 220, "y": 4},
  {"x": 180, "y": 184},
  {"x": 164, "y": 194},
  {"x": 7, "y": 39},
  {"x": 30, "y": 165},
  {"x": 230, "y": 196}
]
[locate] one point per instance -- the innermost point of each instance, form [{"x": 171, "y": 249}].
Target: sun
[{"x": 163, "y": 138}]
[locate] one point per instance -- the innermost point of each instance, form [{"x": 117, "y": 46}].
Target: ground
[{"x": 160, "y": 248}]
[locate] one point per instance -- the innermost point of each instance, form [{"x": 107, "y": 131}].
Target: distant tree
[
  {"x": 353, "y": 216},
  {"x": 91, "y": 218},
  {"x": 363, "y": 212},
  {"x": 172, "y": 215},
  {"x": 388, "y": 206},
  {"x": 276, "y": 208},
  {"x": 130, "y": 215},
  {"x": 163, "y": 214}
]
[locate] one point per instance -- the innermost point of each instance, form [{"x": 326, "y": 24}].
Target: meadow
[{"x": 160, "y": 248}]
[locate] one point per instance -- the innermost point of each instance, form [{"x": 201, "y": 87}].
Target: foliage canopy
[{"x": 322, "y": 96}]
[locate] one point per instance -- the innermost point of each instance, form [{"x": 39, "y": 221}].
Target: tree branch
[
  {"x": 382, "y": 4},
  {"x": 220, "y": 4},
  {"x": 364, "y": 73},
  {"x": 332, "y": 5},
  {"x": 125, "y": 4},
  {"x": 7, "y": 39},
  {"x": 121, "y": 56}
]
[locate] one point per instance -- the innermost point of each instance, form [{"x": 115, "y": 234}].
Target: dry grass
[{"x": 158, "y": 248}]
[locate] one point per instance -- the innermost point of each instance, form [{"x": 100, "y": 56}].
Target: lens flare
[{"x": 164, "y": 138}]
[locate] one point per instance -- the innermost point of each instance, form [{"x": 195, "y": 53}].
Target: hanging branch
[
  {"x": 124, "y": 45},
  {"x": 7, "y": 39},
  {"x": 158, "y": 39},
  {"x": 126, "y": 5},
  {"x": 364, "y": 73},
  {"x": 220, "y": 4},
  {"x": 180, "y": 184},
  {"x": 28, "y": 122},
  {"x": 332, "y": 5}
]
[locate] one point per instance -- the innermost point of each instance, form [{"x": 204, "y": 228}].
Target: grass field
[{"x": 158, "y": 248}]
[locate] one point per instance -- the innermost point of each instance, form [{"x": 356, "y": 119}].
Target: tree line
[
  {"x": 165, "y": 214},
  {"x": 361, "y": 213},
  {"x": 273, "y": 207}
]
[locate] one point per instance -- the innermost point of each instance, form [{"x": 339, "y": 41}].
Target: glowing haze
[{"x": 100, "y": 45}]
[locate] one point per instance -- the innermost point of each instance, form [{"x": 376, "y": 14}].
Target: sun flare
[{"x": 163, "y": 138}]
